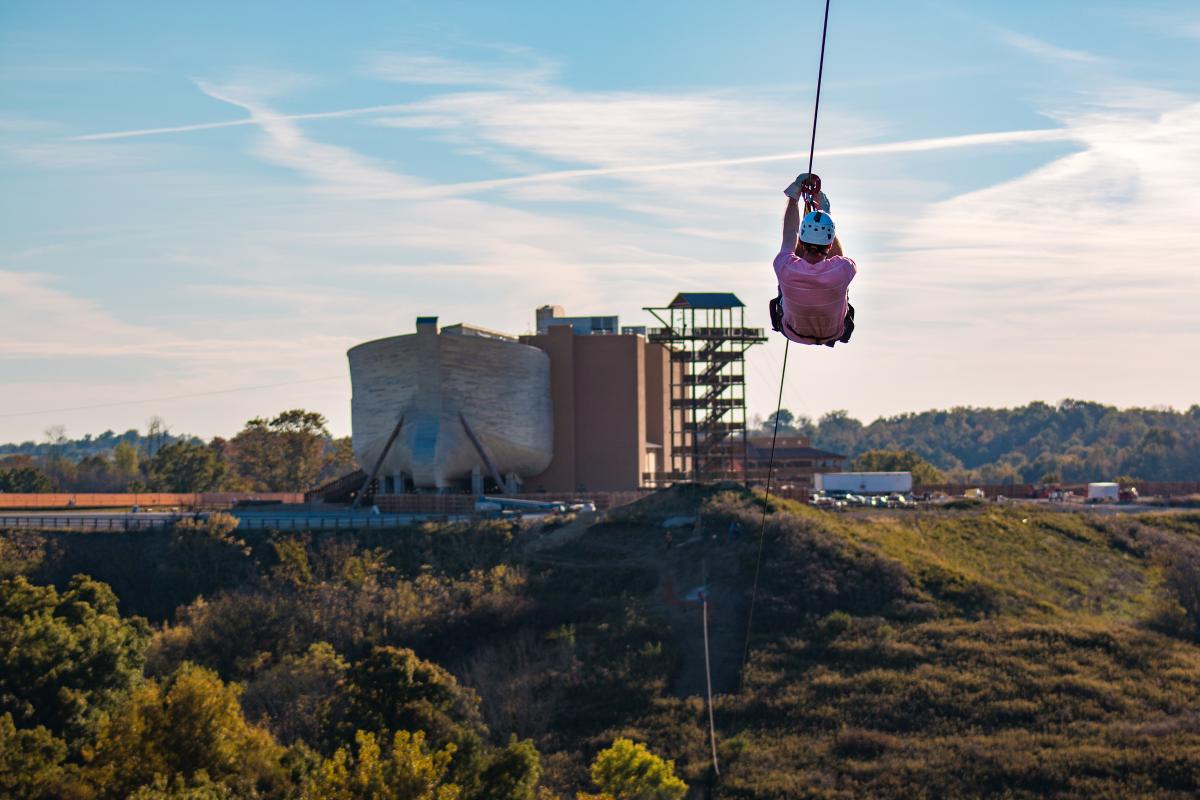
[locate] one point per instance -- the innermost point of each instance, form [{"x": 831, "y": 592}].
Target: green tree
[
  {"x": 513, "y": 773},
  {"x": 184, "y": 466},
  {"x": 339, "y": 459},
  {"x": 24, "y": 480},
  {"x": 67, "y": 659},
  {"x": 191, "y": 730},
  {"x": 1180, "y": 590},
  {"x": 283, "y": 454},
  {"x": 294, "y": 695},
  {"x": 785, "y": 419},
  {"x": 392, "y": 689},
  {"x": 127, "y": 462},
  {"x": 838, "y": 431},
  {"x": 31, "y": 761},
  {"x": 923, "y": 473},
  {"x": 209, "y": 552},
  {"x": 629, "y": 771}
]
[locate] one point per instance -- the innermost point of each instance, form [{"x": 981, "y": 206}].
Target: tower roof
[{"x": 706, "y": 300}]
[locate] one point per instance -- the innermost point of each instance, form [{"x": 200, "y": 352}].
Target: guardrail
[
  {"x": 131, "y": 522},
  {"x": 63, "y": 522}
]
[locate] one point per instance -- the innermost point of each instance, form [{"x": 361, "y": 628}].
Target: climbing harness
[{"x": 810, "y": 190}]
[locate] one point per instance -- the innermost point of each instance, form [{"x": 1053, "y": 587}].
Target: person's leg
[
  {"x": 849, "y": 329},
  {"x": 776, "y": 310}
]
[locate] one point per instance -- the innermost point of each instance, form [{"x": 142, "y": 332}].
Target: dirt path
[
  {"x": 710, "y": 564},
  {"x": 564, "y": 535},
  {"x": 694, "y": 562}
]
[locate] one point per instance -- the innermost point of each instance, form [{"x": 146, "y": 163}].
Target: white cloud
[
  {"x": 513, "y": 68},
  {"x": 1043, "y": 49},
  {"x": 630, "y": 196}
]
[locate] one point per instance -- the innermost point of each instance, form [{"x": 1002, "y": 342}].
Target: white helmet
[{"x": 817, "y": 228}]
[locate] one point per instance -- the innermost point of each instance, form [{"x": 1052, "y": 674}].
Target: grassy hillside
[
  {"x": 979, "y": 652},
  {"x": 1032, "y": 675}
]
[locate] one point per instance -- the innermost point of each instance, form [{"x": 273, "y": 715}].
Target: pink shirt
[{"x": 814, "y": 296}]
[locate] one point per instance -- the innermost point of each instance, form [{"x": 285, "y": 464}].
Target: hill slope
[{"x": 981, "y": 652}]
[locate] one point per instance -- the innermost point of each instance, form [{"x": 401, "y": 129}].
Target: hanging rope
[
  {"x": 812, "y": 148},
  {"x": 712, "y": 728}
]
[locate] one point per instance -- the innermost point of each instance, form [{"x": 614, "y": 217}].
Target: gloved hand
[{"x": 795, "y": 191}]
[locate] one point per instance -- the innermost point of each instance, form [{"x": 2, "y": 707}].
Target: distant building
[
  {"x": 583, "y": 405},
  {"x": 796, "y": 461},
  {"x": 611, "y": 398},
  {"x": 551, "y": 316},
  {"x": 450, "y": 408}
]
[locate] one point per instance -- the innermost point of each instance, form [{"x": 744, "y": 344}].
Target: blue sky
[{"x": 203, "y": 198}]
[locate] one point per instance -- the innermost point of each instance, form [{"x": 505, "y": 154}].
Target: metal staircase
[{"x": 708, "y": 339}]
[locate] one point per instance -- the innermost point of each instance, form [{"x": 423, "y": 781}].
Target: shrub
[
  {"x": 1179, "y": 611},
  {"x": 834, "y": 625},
  {"x": 629, "y": 771}
]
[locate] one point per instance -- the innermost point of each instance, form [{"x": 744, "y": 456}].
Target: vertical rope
[
  {"x": 763, "y": 526},
  {"x": 812, "y": 145},
  {"x": 812, "y": 148},
  {"x": 712, "y": 728}
]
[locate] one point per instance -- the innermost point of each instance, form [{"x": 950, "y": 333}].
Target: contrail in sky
[
  {"x": 233, "y": 123},
  {"x": 1036, "y": 135},
  {"x": 885, "y": 148}
]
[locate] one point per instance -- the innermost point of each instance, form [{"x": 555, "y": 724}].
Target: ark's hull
[{"x": 501, "y": 388}]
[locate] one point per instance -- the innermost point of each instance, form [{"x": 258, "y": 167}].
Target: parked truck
[
  {"x": 863, "y": 483},
  {"x": 1103, "y": 492}
]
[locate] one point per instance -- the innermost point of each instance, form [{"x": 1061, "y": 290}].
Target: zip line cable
[
  {"x": 812, "y": 148},
  {"x": 145, "y": 400}
]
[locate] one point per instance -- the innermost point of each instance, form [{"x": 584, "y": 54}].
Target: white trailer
[
  {"x": 1103, "y": 492},
  {"x": 863, "y": 482}
]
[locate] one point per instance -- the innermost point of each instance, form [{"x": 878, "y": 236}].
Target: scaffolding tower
[{"x": 707, "y": 335}]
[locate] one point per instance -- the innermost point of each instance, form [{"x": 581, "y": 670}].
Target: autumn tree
[
  {"x": 283, "y": 454},
  {"x": 629, "y": 771},
  {"x": 409, "y": 771},
  {"x": 189, "y": 729}
]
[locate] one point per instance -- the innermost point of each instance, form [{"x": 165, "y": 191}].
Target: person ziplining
[{"x": 812, "y": 306}]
